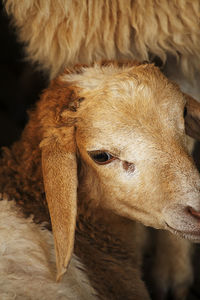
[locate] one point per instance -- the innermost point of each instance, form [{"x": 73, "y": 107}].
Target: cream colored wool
[
  {"x": 59, "y": 33},
  {"x": 27, "y": 262}
]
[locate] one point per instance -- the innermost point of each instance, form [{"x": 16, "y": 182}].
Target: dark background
[{"x": 20, "y": 83}]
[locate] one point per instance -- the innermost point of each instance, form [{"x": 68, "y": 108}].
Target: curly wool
[{"x": 61, "y": 33}]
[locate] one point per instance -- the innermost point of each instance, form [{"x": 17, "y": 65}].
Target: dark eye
[
  {"x": 101, "y": 157},
  {"x": 185, "y": 112}
]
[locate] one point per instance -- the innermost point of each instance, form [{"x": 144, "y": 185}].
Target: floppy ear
[
  {"x": 192, "y": 118},
  {"x": 60, "y": 180}
]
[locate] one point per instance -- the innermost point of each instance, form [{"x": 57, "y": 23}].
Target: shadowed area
[{"x": 20, "y": 84}]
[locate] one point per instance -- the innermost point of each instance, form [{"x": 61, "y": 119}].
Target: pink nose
[{"x": 194, "y": 213}]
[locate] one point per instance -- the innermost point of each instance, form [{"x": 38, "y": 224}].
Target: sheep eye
[
  {"x": 101, "y": 157},
  {"x": 185, "y": 112}
]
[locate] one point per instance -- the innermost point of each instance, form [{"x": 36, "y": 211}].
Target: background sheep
[
  {"x": 155, "y": 181},
  {"x": 61, "y": 33}
]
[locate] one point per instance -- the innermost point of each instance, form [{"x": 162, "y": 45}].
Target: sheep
[
  {"x": 61, "y": 33},
  {"x": 104, "y": 151}
]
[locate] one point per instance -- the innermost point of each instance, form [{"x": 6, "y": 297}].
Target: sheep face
[
  {"x": 137, "y": 164},
  {"x": 129, "y": 135}
]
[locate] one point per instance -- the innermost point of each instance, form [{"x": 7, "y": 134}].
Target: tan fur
[
  {"x": 56, "y": 173},
  {"x": 135, "y": 113},
  {"x": 152, "y": 101},
  {"x": 61, "y": 33},
  {"x": 98, "y": 83}
]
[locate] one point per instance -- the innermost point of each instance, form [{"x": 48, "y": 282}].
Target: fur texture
[
  {"x": 155, "y": 180},
  {"x": 27, "y": 262},
  {"x": 61, "y": 33}
]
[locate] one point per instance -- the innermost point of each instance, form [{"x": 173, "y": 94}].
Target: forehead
[{"x": 120, "y": 102}]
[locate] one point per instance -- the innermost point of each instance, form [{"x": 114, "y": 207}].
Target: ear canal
[
  {"x": 60, "y": 180},
  {"x": 192, "y": 118}
]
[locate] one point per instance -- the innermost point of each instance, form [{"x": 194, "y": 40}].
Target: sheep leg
[{"x": 172, "y": 271}]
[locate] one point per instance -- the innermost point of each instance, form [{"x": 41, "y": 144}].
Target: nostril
[{"x": 193, "y": 212}]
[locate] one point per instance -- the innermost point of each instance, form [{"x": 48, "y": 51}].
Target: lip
[{"x": 190, "y": 235}]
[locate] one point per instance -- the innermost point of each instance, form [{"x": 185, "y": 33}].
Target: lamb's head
[{"x": 126, "y": 126}]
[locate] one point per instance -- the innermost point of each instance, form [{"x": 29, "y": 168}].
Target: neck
[{"x": 111, "y": 257}]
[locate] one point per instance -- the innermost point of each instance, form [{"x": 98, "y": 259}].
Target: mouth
[{"x": 190, "y": 235}]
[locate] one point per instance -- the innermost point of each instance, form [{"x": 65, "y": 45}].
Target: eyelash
[{"x": 101, "y": 157}]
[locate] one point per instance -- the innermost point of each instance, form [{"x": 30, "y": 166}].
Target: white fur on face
[{"x": 27, "y": 262}]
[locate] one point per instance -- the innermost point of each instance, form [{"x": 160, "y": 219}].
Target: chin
[{"x": 193, "y": 236}]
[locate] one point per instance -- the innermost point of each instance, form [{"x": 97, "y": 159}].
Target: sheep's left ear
[
  {"x": 192, "y": 117},
  {"x": 59, "y": 168}
]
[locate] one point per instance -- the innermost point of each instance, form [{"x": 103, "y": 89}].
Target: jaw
[
  {"x": 193, "y": 236},
  {"x": 175, "y": 219},
  {"x": 142, "y": 215},
  {"x": 181, "y": 222}
]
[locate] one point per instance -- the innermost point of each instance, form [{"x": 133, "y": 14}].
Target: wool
[
  {"x": 27, "y": 262},
  {"x": 61, "y": 33}
]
